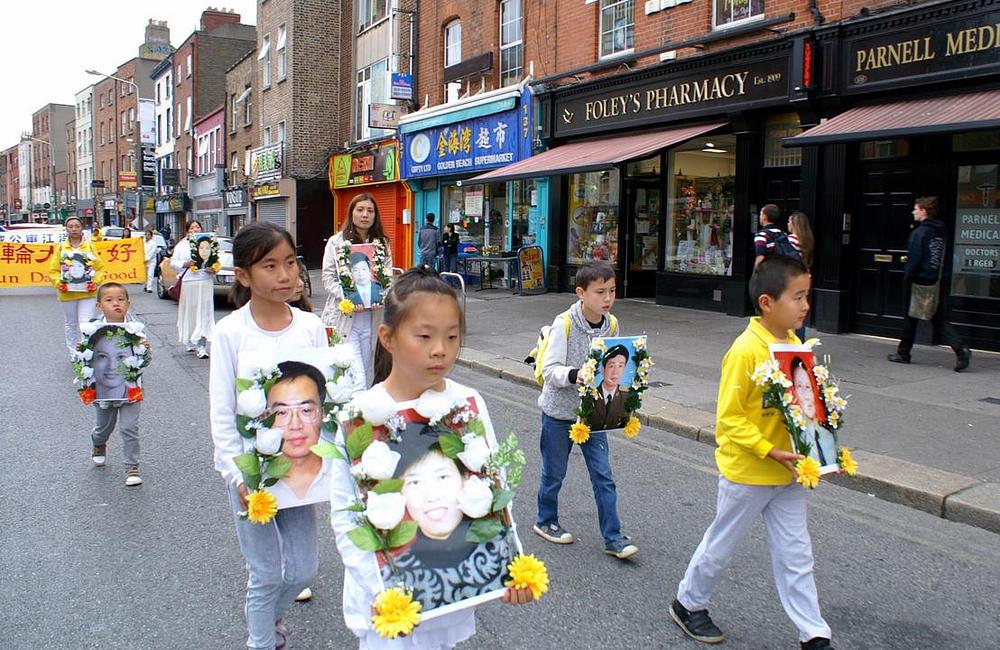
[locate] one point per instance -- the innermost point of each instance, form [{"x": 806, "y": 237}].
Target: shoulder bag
[{"x": 175, "y": 289}]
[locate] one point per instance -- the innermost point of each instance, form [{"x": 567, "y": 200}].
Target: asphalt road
[{"x": 87, "y": 563}]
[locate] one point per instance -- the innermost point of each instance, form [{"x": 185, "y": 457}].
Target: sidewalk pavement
[{"x": 923, "y": 435}]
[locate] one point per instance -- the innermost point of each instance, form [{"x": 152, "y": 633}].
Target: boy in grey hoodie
[{"x": 588, "y": 319}]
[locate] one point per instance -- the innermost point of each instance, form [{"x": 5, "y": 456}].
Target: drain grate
[{"x": 991, "y": 400}]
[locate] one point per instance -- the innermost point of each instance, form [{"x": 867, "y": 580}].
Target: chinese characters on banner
[{"x": 27, "y": 265}]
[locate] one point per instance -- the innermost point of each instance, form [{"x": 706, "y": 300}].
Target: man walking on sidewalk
[
  {"x": 924, "y": 267},
  {"x": 429, "y": 240}
]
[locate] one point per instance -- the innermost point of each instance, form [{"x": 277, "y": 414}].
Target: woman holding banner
[{"x": 75, "y": 272}]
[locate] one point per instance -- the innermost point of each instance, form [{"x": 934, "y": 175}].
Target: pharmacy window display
[
  {"x": 700, "y": 210},
  {"x": 593, "y": 217}
]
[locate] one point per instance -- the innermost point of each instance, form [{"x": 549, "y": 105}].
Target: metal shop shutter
[{"x": 273, "y": 210}]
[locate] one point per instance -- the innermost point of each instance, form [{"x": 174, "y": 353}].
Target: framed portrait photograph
[
  {"x": 76, "y": 272},
  {"x": 108, "y": 362},
  {"x": 205, "y": 251},
  {"x": 453, "y": 539},
  {"x": 797, "y": 363},
  {"x": 364, "y": 275},
  {"x": 286, "y": 404},
  {"x": 613, "y": 383}
]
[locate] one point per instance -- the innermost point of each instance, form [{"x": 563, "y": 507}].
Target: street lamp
[
  {"x": 25, "y": 136},
  {"x": 138, "y": 143}
]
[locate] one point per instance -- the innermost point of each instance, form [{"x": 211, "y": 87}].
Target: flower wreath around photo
[
  {"x": 262, "y": 465},
  {"x": 779, "y": 394},
  {"x": 201, "y": 262},
  {"x": 590, "y": 392},
  {"x": 76, "y": 271},
  {"x": 129, "y": 352},
  {"x": 381, "y": 270},
  {"x": 493, "y": 474}
]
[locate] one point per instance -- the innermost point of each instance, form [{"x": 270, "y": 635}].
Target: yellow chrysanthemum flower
[
  {"x": 216, "y": 267},
  {"x": 346, "y": 306},
  {"x": 847, "y": 462},
  {"x": 528, "y": 572},
  {"x": 579, "y": 433},
  {"x": 807, "y": 470},
  {"x": 261, "y": 506},
  {"x": 632, "y": 427},
  {"x": 396, "y": 613}
]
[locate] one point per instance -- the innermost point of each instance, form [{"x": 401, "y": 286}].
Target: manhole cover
[
  {"x": 991, "y": 400},
  {"x": 659, "y": 384}
]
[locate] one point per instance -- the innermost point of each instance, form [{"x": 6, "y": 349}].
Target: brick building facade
[
  {"x": 49, "y": 152},
  {"x": 241, "y": 136}
]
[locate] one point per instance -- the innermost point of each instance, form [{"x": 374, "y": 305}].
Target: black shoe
[
  {"x": 964, "y": 355},
  {"x": 553, "y": 533},
  {"x": 816, "y": 643},
  {"x": 697, "y": 625},
  {"x": 896, "y": 357}
]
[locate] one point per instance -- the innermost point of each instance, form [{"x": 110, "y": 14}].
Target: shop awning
[
  {"x": 950, "y": 114},
  {"x": 591, "y": 155}
]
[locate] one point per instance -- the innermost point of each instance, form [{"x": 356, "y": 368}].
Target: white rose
[
  {"x": 374, "y": 408},
  {"x": 139, "y": 349},
  {"x": 339, "y": 391},
  {"x": 379, "y": 462},
  {"x": 89, "y": 328},
  {"x": 268, "y": 441},
  {"x": 87, "y": 354},
  {"x": 133, "y": 327},
  {"x": 476, "y": 498},
  {"x": 87, "y": 372},
  {"x": 433, "y": 406},
  {"x": 251, "y": 402},
  {"x": 476, "y": 452},
  {"x": 385, "y": 511},
  {"x": 132, "y": 362},
  {"x": 342, "y": 355}
]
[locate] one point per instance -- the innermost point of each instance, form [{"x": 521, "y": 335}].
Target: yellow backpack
[{"x": 536, "y": 357}]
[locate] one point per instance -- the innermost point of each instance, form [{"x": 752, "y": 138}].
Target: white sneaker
[
  {"x": 99, "y": 455},
  {"x": 202, "y": 352},
  {"x": 132, "y": 477},
  {"x": 304, "y": 595}
]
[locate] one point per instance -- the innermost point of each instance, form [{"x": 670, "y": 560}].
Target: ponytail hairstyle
[
  {"x": 252, "y": 244},
  {"x": 398, "y": 302},
  {"x": 375, "y": 233}
]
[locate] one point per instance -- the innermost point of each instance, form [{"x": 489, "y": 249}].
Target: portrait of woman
[
  {"x": 822, "y": 444},
  {"x": 108, "y": 364}
]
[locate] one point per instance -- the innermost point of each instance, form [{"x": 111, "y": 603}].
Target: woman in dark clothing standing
[{"x": 449, "y": 241}]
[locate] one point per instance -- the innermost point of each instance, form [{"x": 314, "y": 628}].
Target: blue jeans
[
  {"x": 282, "y": 558},
  {"x": 450, "y": 263},
  {"x": 555, "y": 446}
]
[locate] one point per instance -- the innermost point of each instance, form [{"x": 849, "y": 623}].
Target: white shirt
[
  {"x": 236, "y": 333},
  {"x": 362, "y": 579}
]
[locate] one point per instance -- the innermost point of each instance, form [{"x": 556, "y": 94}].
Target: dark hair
[
  {"x": 804, "y": 233},
  {"x": 772, "y": 212},
  {"x": 375, "y": 233},
  {"x": 430, "y": 218},
  {"x": 111, "y": 285},
  {"x": 358, "y": 256},
  {"x": 450, "y": 227},
  {"x": 187, "y": 228},
  {"x": 929, "y": 204},
  {"x": 71, "y": 218},
  {"x": 592, "y": 272},
  {"x": 614, "y": 351},
  {"x": 303, "y": 302},
  {"x": 397, "y": 304},
  {"x": 771, "y": 277},
  {"x": 291, "y": 370},
  {"x": 252, "y": 244}
]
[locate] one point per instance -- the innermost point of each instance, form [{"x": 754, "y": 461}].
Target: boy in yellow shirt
[{"x": 756, "y": 467}]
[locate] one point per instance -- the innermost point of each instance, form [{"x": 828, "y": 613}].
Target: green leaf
[
  {"x": 501, "y": 498},
  {"x": 243, "y": 384},
  {"x": 356, "y": 507},
  {"x": 327, "y": 450},
  {"x": 241, "y": 425},
  {"x": 253, "y": 482},
  {"x": 476, "y": 426},
  {"x": 270, "y": 482},
  {"x": 451, "y": 445},
  {"x": 248, "y": 464},
  {"x": 483, "y": 530},
  {"x": 401, "y": 534},
  {"x": 278, "y": 467},
  {"x": 365, "y": 538},
  {"x": 269, "y": 420},
  {"x": 388, "y": 485},
  {"x": 359, "y": 440}
]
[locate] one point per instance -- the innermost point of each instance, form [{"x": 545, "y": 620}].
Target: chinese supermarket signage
[
  {"x": 374, "y": 164},
  {"x": 473, "y": 145}
]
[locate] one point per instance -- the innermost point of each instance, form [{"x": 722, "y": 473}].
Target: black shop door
[{"x": 880, "y": 230}]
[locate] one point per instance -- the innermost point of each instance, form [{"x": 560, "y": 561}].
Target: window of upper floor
[
  {"x": 452, "y": 43},
  {"x": 726, "y": 13},
  {"x": 511, "y": 42},
  {"x": 279, "y": 52},
  {"x": 371, "y": 12},
  {"x": 617, "y": 27}
]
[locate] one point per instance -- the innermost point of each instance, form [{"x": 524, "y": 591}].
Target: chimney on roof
[{"x": 213, "y": 18}]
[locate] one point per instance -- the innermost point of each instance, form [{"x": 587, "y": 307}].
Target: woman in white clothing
[
  {"x": 149, "y": 245},
  {"x": 363, "y": 225},
  {"x": 196, "y": 311}
]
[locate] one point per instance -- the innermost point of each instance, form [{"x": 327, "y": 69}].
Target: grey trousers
[{"x": 127, "y": 417}]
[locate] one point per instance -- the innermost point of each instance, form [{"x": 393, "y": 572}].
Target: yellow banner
[{"x": 27, "y": 265}]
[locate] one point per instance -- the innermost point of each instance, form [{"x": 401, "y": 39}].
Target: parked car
[{"x": 166, "y": 276}]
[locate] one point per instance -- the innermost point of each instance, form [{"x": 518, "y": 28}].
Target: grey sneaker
[
  {"x": 553, "y": 533},
  {"x": 99, "y": 454},
  {"x": 132, "y": 477},
  {"x": 621, "y": 549}
]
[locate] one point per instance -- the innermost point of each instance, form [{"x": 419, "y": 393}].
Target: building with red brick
[
  {"x": 10, "y": 201},
  {"x": 48, "y": 154},
  {"x": 242, "y": 136}
]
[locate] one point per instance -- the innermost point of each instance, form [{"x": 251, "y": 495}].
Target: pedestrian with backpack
[
  {"x": 771, "y": 239},
  {"x": 560, "y": 356}
]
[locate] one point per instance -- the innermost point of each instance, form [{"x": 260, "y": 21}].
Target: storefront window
[
  {"x": 700, "y": 207},
  {"x": 593, "y": 217},
  {"x": 776, "y": 128},
  {"x": 976, "y": 266},
  {"x": 524, "y": 231},
  {"x": 478, "y": 213},
  {"x": 647, "y": 167}
]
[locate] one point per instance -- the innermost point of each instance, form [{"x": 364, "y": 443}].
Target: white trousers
[
  {"x": 150, "y": 275},
  {"x": 784, "y": 511},
  {"x": 360, "y": 339},
  {"x": 76, "y": 312}
]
